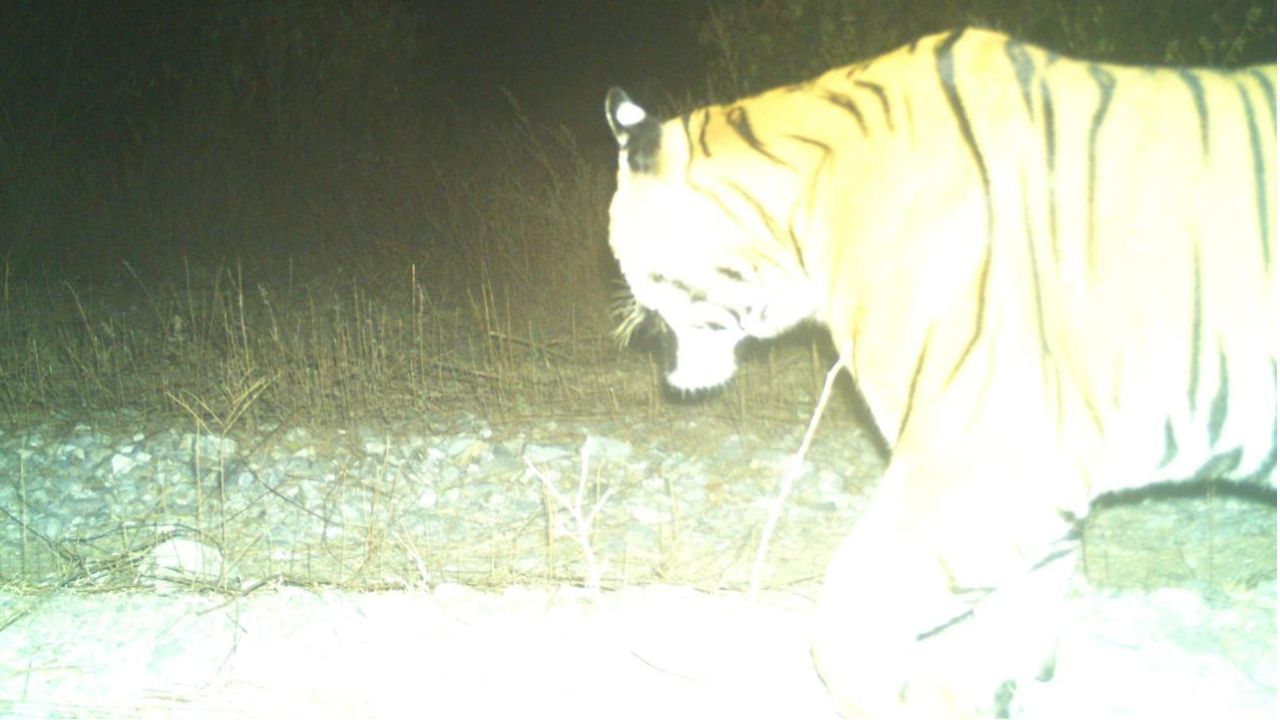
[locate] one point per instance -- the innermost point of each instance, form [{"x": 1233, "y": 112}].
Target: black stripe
[
  {"x": 979, "y": 316},
  {"x": 1219, "y": 466},
  {"x": 815, "y": 174},
  {"x": 1202, "y": 112},
  {"x": 795, "y": 247},
  {"x": 1260, "y": 197},
  {"x": 1268, "y": 89},
  {"x": 962, "y": 617},
  {"x": 849, "y": 106},
  {"x": 1093, "y": 412},
  {"x": 733, "y": 313},
  {"x": 1106, "y": 86},
  {"x": 816, "y": 180},
  {"x": 740, "y": 120},
  {"x": 1036, "y": 292},
  {"x": 1048, "y": 369},
  {"x": 730, "y": 274},
  {"x": 694, "y": 295},
  {"x": 915, "y": 381},
  {"x": 945, "y": 61},
  {"x": 685, "y": 125},
  {"x": 702, "y": 136},
  {"x": 1218, "y": 408},
  {"x": 713, "y": 197},
  {"x": 1051, "y": 159},
  {"x": 822, "y": 147},
  {"x": 878, "y": 91},
  {"x": 769, "y": 222},
  {"x": 1023, "y": 69},
  {"x": 1170, "y": 444}
]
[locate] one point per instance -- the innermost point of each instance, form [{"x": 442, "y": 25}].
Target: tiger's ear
[{"x": 639, "y": 134}]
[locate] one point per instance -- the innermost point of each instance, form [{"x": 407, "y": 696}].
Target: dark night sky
[
  {"x": 233, "y": 118},
  {"x": 503, "y": 39},
  {"x": 557, "y": 56},
  {"x": 562, "y": 54}
]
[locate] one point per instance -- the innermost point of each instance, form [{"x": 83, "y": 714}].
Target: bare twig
[
  {"x": 582, "y": 521},
  {"x": 794, "y": 470}
]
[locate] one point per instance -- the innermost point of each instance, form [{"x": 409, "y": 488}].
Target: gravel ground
[{"x": 430, "y": 569}]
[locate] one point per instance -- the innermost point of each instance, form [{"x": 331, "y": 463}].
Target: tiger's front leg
[{"x": 945, "y": 595}]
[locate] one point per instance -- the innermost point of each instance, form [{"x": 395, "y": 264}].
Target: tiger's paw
[
  {"x": 972, "y": 668},
  {"x": 895, "y": 639}
]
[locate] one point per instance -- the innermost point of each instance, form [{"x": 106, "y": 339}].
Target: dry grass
[{"x": 231, "y": 350}]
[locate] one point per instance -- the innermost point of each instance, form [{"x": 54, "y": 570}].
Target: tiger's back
[{"x": 1051, "y": 279}]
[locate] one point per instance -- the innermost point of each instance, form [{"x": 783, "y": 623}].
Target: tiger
[{"x": 1050, "y": 279}]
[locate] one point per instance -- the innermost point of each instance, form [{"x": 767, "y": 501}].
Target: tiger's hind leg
[{"x": 946, "y": 595}]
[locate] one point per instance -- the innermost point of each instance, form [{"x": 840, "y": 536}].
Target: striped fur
[{"x": 1052, "y": 279}]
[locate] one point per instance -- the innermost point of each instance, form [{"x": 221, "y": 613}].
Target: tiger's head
[{"x": 696, "y": 247}]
